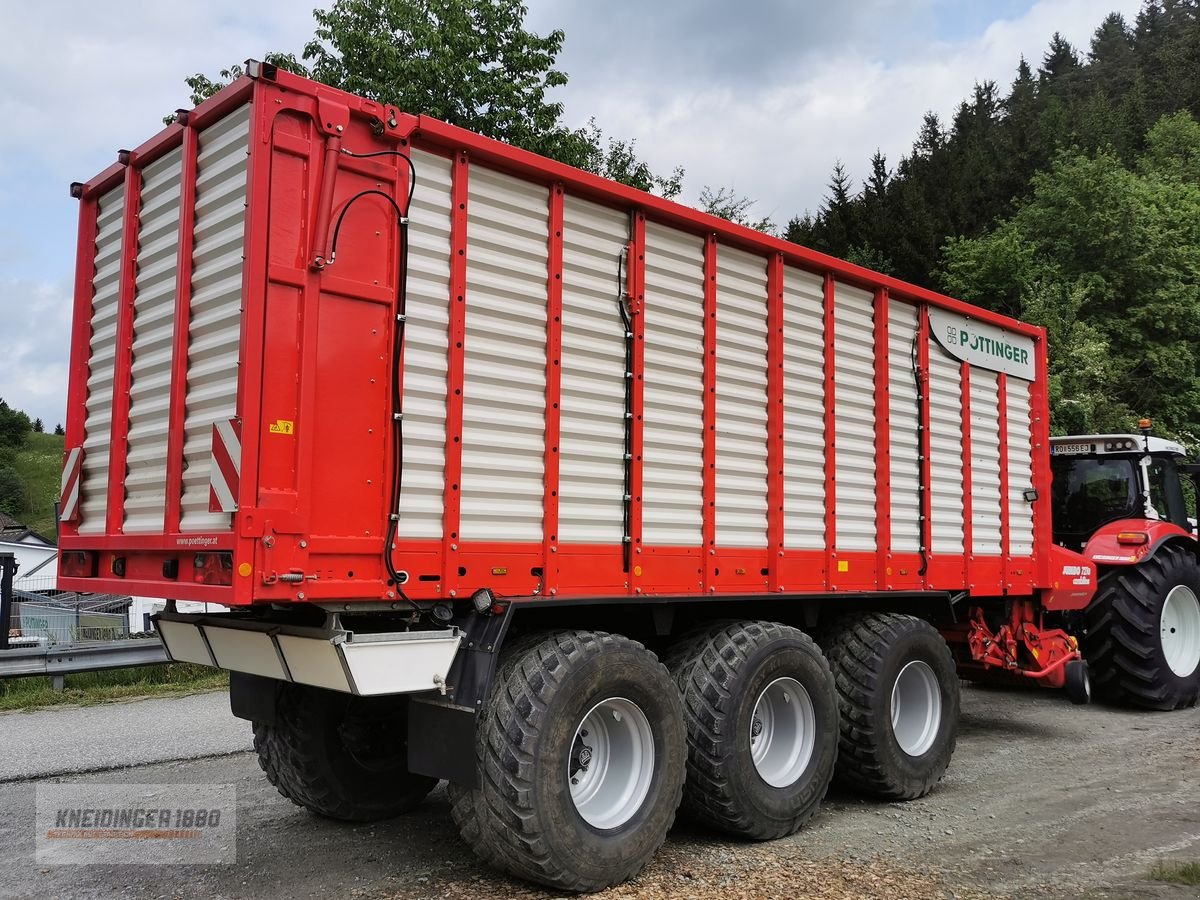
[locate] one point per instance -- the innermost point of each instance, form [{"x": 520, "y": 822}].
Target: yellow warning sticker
[
  {"x": 282, "y": 426},
  {"x": 843, "y": 565}
]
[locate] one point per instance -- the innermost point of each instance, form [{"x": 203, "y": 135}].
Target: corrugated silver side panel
[
  {"x": 673, "y": 493},
  {"x": 153, "y": 344},
  {"x": 985, "y": 462},
  {"x": 1020, "y": 468},
  {"x": 741, "y": 489},
  {"x": 504, "y": 393},
  {"x": 903, "y": 431},
  {"x": 592, "y": 439},
  {"x": 425, "y": 334},
  {"x": 97, "y": 417},
  {"x": 854, "y": 417},
  {"x": 945, "y": 451},
  {"x": 803, "y": 411},
  {"x": 215, "y": 330}
]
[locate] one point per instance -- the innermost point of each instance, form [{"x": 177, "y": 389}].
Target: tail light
[
  {"x": 1133, "y": 538},
  {"x": 213, "y": 568},
  {"x": 78, "y": 564}
]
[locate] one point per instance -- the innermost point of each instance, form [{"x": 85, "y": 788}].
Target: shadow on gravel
[{"x": 970, "y": 725}]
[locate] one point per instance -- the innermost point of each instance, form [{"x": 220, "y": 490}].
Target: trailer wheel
[
  {"x": 1142, "y": 637},
  {"x": 899, "y": 697},
  {"x": 1077, "y": 682},
  {"x": 340, "y": 756},
  {"x": 581, "y": 754},
  {"x": 762, "y": 721}
]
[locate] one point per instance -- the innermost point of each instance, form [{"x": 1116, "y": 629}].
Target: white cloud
[
  {"x": 37, "y": 333},
  {"x": 777, "y": 137},
  {"x": 763, "y": 96},
  {"x": 83, "y": 79}
]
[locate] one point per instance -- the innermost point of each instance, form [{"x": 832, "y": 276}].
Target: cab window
[
  {"x": 1166, "y": 495},
  {"x": 1088, "y": 492}
]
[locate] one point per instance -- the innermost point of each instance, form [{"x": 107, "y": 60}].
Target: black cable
[
  {"x": 627, "y": 376},
  {"x": 397, "y": 347},
  {"x": 922, "y": 487}
]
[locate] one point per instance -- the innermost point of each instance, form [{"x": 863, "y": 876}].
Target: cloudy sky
[{"x": 763, "y": 96}]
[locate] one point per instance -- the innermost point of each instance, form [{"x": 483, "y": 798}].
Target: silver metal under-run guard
[{"x": 401, "y": 662}]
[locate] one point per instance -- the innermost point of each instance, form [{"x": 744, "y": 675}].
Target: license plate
[{"x": 1063, "y": 449}]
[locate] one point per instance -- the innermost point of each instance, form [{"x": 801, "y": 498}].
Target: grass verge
[
  {"x": 112, "y": 684},
  {"x": 1176, "y": 872},
  {"x": 39, "y": 463}
]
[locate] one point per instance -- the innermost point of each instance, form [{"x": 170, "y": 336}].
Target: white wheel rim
[
  {"x": 610, "y": 763},
  {"x": 782, "y": 732},
  {"x": 916, "y": 708},
  {"x": 1179, "y": 630}
]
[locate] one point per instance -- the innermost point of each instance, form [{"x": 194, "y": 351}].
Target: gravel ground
[
  {"x": 58, "y": 741},
  {"x": 1042, "y": 800}
]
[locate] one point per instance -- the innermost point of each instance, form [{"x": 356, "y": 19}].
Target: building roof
[{"x": 12, "y": 530}]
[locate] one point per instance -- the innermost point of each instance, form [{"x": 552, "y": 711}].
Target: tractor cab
[{"x": 1103, "y": 479}]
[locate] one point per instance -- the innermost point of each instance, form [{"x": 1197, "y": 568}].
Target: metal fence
[
  {"x": 68, "y": 625},
  {"x": 65, "y": 633}
]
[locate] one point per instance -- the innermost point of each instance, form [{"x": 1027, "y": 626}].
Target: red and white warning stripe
[
  {"x": 225, "y": 467},
  {"x": 68, "y": 510}
]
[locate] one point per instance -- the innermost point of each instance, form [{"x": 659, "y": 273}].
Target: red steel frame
[
  {"x": 554, "y": 266},
  {"x": 968, "y": 500},
  {"x": 708, "y": 526},
  {"x": 924, "y": 449},
  {"x": 455, "y": 359},
  {"x": 830, "y": 437},
  {"x": 637, "y": 444},
  {"x": 119, "y": 434},
  {"x": 1005, "y": 512},
  {"x": 179, "y": 352},
  {"x": 784, "y": 570},
  {"x": 775, "y": 464},
  {"x": 883, "y": 442}
]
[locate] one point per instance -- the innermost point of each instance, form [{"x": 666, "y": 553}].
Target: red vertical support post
[
  {"x": 774, "y": 419},
  {"x": 1043, "y": 531},
  {"x": 637, "y": 442},
  {"x": 830, "y": 439},
  {"x": 883, "y": 446},
  {"x": 708, "y": 524},
  {"x": 119, "y": 435},
  {"x": 81, "y": 323},
  {"x": 923, "y": 449},
  {"x": 554, "y": 271},
  {"x": 260, "y": 154},
  {"x": 968, "y": 503},
  {"x": 81, "y": 333},
  {"x": 456, "y": 334},
  {"x": 179, "y": 351},
  {"x": 1005, "y": 536}
]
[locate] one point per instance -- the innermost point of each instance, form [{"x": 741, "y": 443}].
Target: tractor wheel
[
  {"x": 581, "y": 754},
  {"x": 899, "y": 696},
  {"x": 340, "y": 756},
  {"x": 1077, "y": 682},
  {"x": 1142, "y": 632},
  {"x": 762, "y": 722}
]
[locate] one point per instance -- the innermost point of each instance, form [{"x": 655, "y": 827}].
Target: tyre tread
[{"x": 857, "y": 647}]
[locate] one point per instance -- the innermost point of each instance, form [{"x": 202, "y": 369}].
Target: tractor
[{"x": 1122, "y": 501}]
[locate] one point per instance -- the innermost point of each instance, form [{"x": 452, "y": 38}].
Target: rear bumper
[{"x": 367, "y": 665}]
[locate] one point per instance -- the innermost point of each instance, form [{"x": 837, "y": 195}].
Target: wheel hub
[
  {"x": 610, "y": 775},
  {"x": 916, "y": 708},
  {"x": 581, "y": 756},
  {"x": 1179, "y": 630},
  {"x": 783, "y": 732}
]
